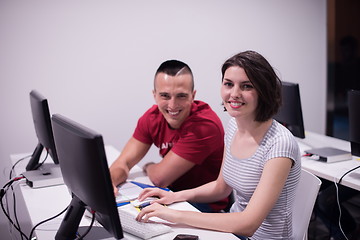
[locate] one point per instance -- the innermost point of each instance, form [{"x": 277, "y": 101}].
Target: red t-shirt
[{"x": 200, "y": 140}]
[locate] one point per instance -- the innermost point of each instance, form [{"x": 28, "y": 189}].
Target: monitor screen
[
  {"x": 354, "y": 121},
  {"x": 85, "y": 172},
  {"x": 290, "y": 113},
  {"x": 42, "y": 123}
]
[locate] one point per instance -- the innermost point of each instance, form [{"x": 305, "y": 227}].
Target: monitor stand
[
  {"x": 96, "y": 232},
  {"x": 49, "y": 174}
]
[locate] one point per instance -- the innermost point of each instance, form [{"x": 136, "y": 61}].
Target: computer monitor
[
  {"x": 354, "y": 121},
  {"x": 290, "y": 113},
  {"x": 86, "y": 174},
  {"x": 42, "y": 123}
]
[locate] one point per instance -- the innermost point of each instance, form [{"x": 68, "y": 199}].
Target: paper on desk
[{"x": 128, "y": 192}]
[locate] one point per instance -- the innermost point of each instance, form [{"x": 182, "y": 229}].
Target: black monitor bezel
[
  {"x": 85, "y": 171},
  {"x": 43, "y": 129},
  {"x": 290, "y": 113},
  {"x": 354, "y": 121}
]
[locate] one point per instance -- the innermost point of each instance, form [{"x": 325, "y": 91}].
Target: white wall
[{"x": 95, "y": 60}]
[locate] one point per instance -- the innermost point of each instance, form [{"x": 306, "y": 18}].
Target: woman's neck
[{"x": 253, "y": 128}]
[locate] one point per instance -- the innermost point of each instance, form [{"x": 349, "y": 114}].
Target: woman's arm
[
  {"x": 210, "y": 192},
  {"x": 244, "y": 223}
]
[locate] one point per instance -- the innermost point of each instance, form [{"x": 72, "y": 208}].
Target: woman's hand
[
  {"x": 116, "y": 190},
  {"x": 165, "y": 197},
  {"x": 160, "y": 211}
]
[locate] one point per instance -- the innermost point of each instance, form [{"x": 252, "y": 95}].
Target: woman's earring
[{"x": 224, "y": 107}]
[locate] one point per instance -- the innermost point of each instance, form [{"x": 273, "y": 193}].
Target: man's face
[{"x": 174, "y": 97}]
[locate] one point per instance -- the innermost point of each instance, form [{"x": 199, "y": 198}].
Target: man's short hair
[{"x": 173, "y": 68}]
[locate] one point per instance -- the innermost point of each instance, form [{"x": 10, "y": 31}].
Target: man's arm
[
  {"x": 132, "y": 153},
  {"x": 170, "y": 168}
]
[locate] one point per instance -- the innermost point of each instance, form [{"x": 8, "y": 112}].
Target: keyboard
[{"x": 140, "y": 229}]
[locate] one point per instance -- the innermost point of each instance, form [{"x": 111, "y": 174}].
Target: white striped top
[{"x": 243, "y": 176}]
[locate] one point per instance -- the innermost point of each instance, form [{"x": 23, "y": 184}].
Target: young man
[{"x": 189, "y": 135}]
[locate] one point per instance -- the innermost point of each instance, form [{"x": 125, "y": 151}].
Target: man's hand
[{"x": 132, "y": 153}]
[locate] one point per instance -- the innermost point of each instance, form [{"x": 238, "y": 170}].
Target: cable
[
  {"x": 311, "y": 156},
  {"x": 338, "y": 203},
  {"x": 6, "y": 211},
  {"x": 14, "y": 209},
  {"x": 337, "y": 196},
  {"x": 2, "y": 194},
  {"x": 7, "y": 201},
  {"x": 13, "y": 166},
  {"x": 46, "y": 156},
  {"x": 13, "y": 194},
  {"x": 348, "y": 173},
  {"x": 46, "y": 220},
  {"x": 89, "y": 228}
]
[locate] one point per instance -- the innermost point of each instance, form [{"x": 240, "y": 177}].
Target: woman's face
[{"x": 238, "y": 94}]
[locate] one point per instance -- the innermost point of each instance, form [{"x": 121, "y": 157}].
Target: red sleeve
[{"x": 142, "y": 132}]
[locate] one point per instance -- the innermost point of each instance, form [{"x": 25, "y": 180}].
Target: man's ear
[{"x": 193, "y": 95}]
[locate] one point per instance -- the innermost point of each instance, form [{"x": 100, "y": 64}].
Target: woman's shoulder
[
  {"x": 281, "y": 140},
  {"x": 279, "y": 135},
  {"x": 280, "y": 131}
]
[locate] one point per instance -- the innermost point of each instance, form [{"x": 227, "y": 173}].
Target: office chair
[{"x": 305, "y": 198}]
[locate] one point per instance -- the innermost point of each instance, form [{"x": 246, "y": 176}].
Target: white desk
[
  {"x": 43, "y": 203},
  {"x": 330, "y": 171}
]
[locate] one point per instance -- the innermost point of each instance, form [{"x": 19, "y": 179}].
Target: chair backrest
[{"x": 305, "y": 197}]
